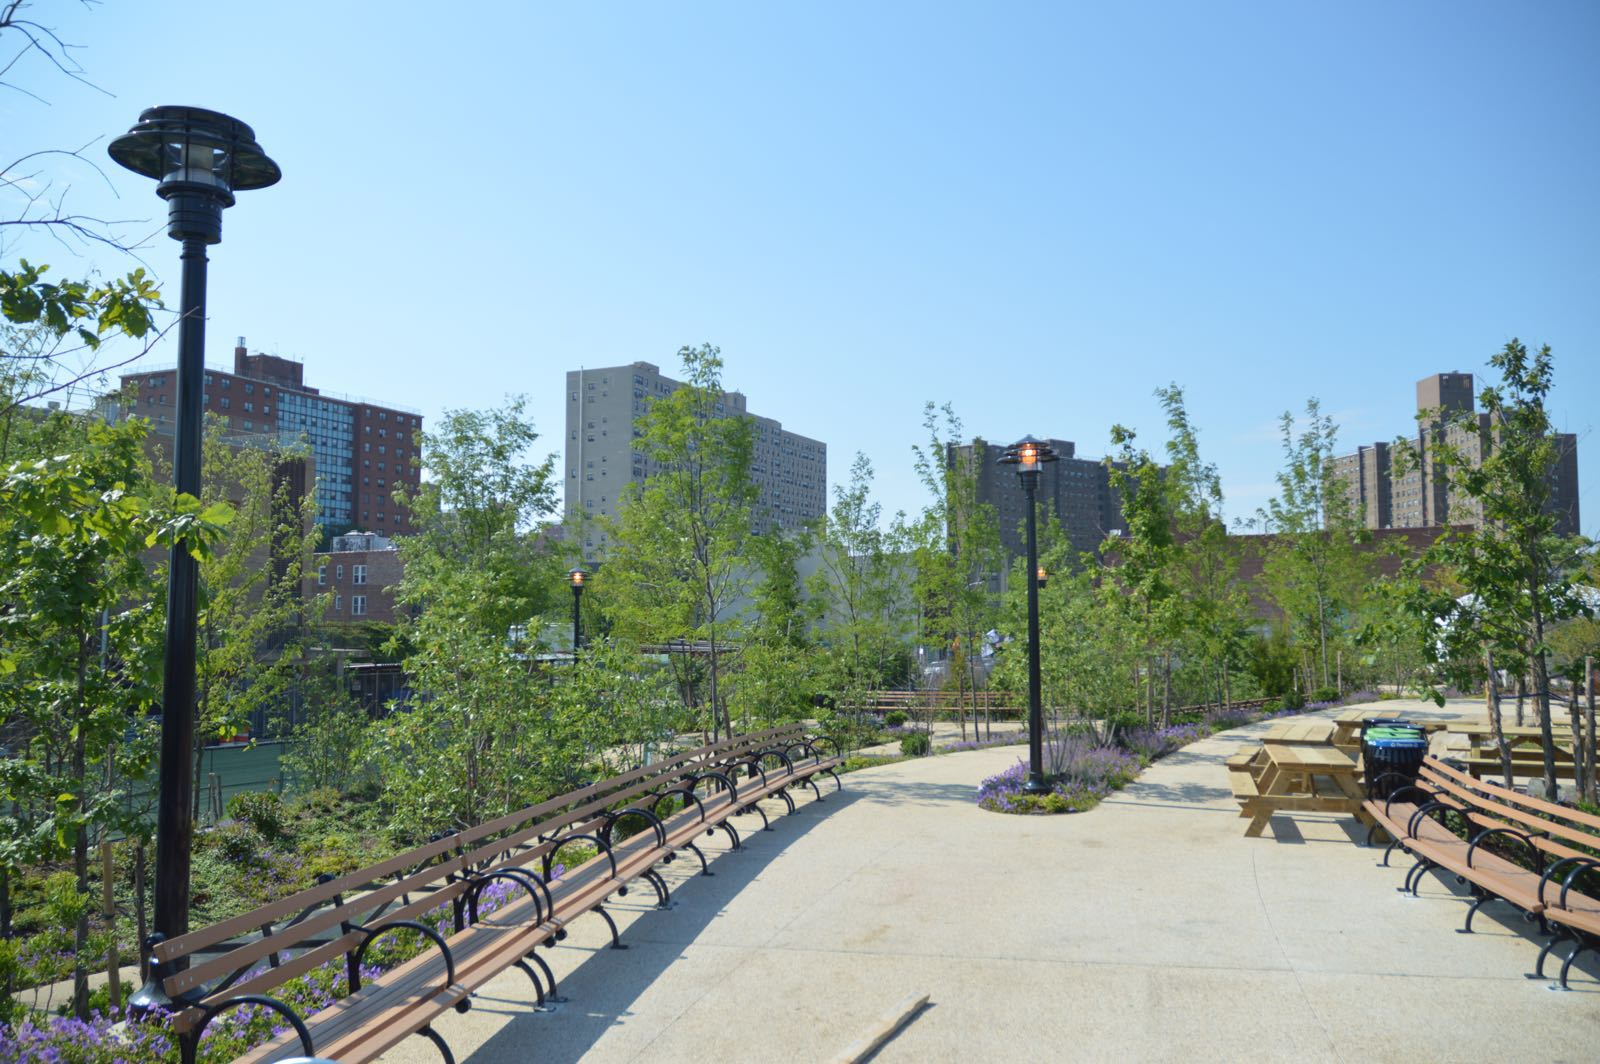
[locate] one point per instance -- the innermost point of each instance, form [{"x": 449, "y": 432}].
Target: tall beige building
[
  {"x": 1421, "y": 497},
  {"x": 790, "y": 470}
]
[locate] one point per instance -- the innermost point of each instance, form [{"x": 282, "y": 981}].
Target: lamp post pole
[
  {"x": 200, "y": 158},
  {"x": 1028, "y": 455},
  {"x": 576, "y": 578}
]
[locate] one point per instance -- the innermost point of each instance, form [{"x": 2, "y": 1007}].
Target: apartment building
[
  {"x": 1412, "y": 490},
  {"x": 790, "y": 471},
  {"x": 1076, "y": 491},
  {"x": 363, "y": 451},
  {"x": 359, "y": 569}
]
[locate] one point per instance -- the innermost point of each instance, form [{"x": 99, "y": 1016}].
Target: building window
[
  {"x": 322, "y": 575},
  {"x": 225, "y": 403},
  {"x": 338, "y": 572},
  {"x": 338, "y": 603},
  {"x": 358, "y": 573}
]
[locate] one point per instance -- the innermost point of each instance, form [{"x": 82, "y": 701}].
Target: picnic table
[
  {"x": 1347, "y": 724},
  {"x": 1527, "y": 749},
  {"x": 1300, "y": 733},
  {"x": 1284, "y": 777}
]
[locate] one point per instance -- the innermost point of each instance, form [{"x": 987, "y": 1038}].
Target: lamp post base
[{"x": 1036, "y": 785}]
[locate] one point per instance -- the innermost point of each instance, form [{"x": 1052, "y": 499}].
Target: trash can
[{"x": 1392, "y": 753}]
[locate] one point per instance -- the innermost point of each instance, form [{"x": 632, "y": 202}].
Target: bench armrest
[
  {"x": 687, "y": 792},
  {"x": 371, "y": 934},
  {"x": 720, "y": 777},
  {"x": 528, "y": 882},
  {"x": 1555, "y": 868},
  {"x": 611, "y": 819},
  {"x": 603, "y": 845},
  {"x": 1566, "y": 884},
  {"x": 1538, "y": 855},
  {"x": 210, "y": 1012}
]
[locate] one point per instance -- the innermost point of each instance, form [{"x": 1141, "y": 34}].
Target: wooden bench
[
  {"x": 1560, "y": 845},
  {"x": 236, "y": 963}
]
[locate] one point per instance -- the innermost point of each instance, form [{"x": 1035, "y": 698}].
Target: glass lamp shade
[
  {"x": 577, "y": 577},
  {"x": 1028, "y": 454},
  {"x": 186, "y": 147}
]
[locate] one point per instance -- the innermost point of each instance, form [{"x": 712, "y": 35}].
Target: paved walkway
[{"x": 1148, "y": 929}]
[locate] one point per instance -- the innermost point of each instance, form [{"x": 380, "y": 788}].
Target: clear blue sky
[{"x": 1039, "y": 212}]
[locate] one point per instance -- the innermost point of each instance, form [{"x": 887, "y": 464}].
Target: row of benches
[
  {"x": 634, "y": 822},
  {"x": 1452, "y": 823}
]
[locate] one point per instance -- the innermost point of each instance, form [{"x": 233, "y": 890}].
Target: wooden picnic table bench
[
  {"x": 437, "y": 892},
  {"x": 1526, "y": 742},
  {"x": 1448, "y": 821},
  {"x": 1285, "y": 777}
]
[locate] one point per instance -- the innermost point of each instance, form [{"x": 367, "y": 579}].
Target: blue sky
[{"x": 1038, "y": 212}]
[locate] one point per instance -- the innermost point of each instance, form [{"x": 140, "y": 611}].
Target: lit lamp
[
  {"x": 1028, "y": 455},
  {"x": 200, "y": 159},
  {"x": 1041, "y": 576},
  {"x": 576, "y": 579}
]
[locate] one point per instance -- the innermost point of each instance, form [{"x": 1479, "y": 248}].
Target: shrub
[
  {"x": 915, "y": 745},
  {"x": 263, "y": 811},
  {"x": 894, "y": 718},
  {"x": 1325, "y": 694}
]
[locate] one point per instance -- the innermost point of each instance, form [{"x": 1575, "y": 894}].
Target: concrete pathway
[{"x": 1148, "y": 929}]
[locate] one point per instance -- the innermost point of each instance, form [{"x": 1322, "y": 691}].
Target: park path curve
[{"x": 1147, "y": 929}]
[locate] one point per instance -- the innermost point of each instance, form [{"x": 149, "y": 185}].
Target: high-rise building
[
  {"x": 790, "y": 471},
  {"x": 1076, "y": 491},
  {"x": 1422, "y": 496},
  {"x": 363, "y": 450}
]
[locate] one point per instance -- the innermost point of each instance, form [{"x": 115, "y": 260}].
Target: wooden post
[
  {"x": 1338, "y": 671},
  {"x": 108, "y": 909}
]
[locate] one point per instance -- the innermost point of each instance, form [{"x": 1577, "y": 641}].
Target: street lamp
[
  {"x": 576, "y": 579},
  {"x": 1028, "y": 454},
  {"x": 1041, "y": 576},
  {"x": 200, "y": 159}
]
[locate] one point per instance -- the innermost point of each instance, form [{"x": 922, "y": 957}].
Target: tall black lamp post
[
  {"x": 1028, "y": 454},
  {"x": 576, "y": 579},
  {"x": 201, "y": 158}
]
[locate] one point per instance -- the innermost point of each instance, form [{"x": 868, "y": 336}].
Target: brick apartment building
[
  {"x": 362, "y": 451},
  {"x": 359, "y": 570},
  {"x": 790, "y": 471},
  {"x": 1422, "y": 497}
]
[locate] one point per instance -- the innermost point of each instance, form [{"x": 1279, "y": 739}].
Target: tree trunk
[
  {"x": 1338, "y": 676},
  {"x": 1522, "y": 692},
  {"x": 1166, "y": 690},
  {"x": 1593, "y": 797},
  {"x": 1227, "y": 690},
  {"x": 961, "y": 701},
  {"x": 141, "y": 922},
  {"x": 80, "y": 843},
  {"x": 1150, "y": 691},
  {"x": 1491, "y": 694},
  {"x": 1541, "y": 694}
]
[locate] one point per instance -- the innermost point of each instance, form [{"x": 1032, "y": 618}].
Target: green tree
[
  {"x": 676, "y": 561},
  {"x": 1313, "y": 567},
  {"x": 1516, "y": 572},
  {"x": 80, "y": 645},
  {"x": 475, "y": 743},
  {"x": 955, "y": 546},
  {"x": 1144, "y": 554},
  {"x": 860, "y": 585}
]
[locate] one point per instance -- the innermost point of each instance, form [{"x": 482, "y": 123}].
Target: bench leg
[
  {"x": 1258, "y": 823},
  {"x": 733, "y": 835},
  {"x": 1481, "y": 898},
  {"x": 1579, "y": 944},
  {"x": 616, "y": 940},
  {"x": 837, "y": 786},
  {"x": 553, "y": 997},
  {"x": 1549, "y": 945},
  {"x": 705, "y": 869},
  {"x": 663, "y": 895},
  {"x": 444, "y": 1047},
  {"x": 1414, "y": 877},
  {"x": 789, "y": 802},
  {"x": 755, "y": 807},
  {"x": 538, "y": 987},
  {"x": 809, "y": 782}
]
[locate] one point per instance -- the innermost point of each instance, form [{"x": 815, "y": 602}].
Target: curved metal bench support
[
  {"x": 554, "y": 996},
  {"x": 1572, "y": 876},
  {"x": 753, "y": 807},
  {"x": 444, "y": 1047},
  {"x": 616, "y": 940},
  {"x": 190, "y": 1042},
  {"x": 549, "y": 858},
  {"x": 369, "y": 935},
  {"x": 527, "y": 882},
  {"x": 705, "y": 869},
  {"x": 663, "y": 895},
  {"x": 1538, "y": 857},
  {"x": 613, "y": 818},
  {"x": 788, "y": 802},
  {"x": 687, "y": 792},
  {"x": 1580, "y": 944},
  {"x": 538, "y": 987},
  {"x": 1555, "y": 867},
  {"x": 732, "y": 833}
]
